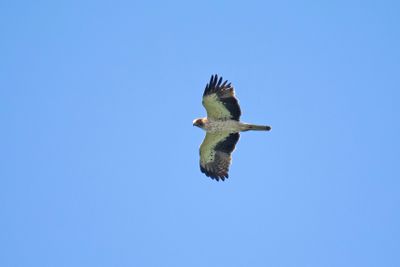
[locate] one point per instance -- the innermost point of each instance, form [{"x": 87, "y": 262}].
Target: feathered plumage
[{"x": 222, "y": 126}]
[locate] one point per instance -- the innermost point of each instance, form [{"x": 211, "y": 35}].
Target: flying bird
[{"x": 222, "y": 126}]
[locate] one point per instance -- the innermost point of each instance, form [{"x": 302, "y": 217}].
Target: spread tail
[{"x": 253, "y": 127}]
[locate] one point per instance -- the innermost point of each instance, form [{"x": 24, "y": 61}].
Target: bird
[{"x": 222, "y": 126}]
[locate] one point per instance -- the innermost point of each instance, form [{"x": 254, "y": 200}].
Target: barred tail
[{"x": 253, "y": 127}]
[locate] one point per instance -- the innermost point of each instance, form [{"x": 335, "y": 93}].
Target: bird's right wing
[{"x": 215, "y": 154}]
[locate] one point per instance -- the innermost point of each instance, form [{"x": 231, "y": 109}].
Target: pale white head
[{"x": 199, "y": 122}]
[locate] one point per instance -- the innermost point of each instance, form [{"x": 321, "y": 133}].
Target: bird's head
[{"x": 199, "y": 123}]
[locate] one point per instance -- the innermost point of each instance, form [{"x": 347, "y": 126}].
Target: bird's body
[
  {"x": 212, "y": 126},
  {"x": 229, "y": 126},
  {"x": 222, "y": 125}
]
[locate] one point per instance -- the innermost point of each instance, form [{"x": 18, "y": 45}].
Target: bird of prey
[{"x": 222, "y": 125}]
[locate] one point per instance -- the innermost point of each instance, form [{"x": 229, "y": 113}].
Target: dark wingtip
[
  {"x": 216, "y": 84},
  {"x": 219, "y": 82},
  {"x": 214, "y": 176},
  {"x": 221, "y": 177},
  {"x": 268, "y": 128},
  {"x": 213, "y": 80}
]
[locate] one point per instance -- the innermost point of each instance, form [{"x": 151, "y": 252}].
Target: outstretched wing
[
  {"x": 220, "y": 101},
  {"x": 215, "y": 154}
]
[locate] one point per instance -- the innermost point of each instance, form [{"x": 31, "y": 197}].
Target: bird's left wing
[
  {"x": 220, "y": 101},
  {"x": 215, "y": 154}
]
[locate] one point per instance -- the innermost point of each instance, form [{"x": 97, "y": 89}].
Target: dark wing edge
[
  {"x": 225, "y": 93},
  {"x": 219, "y": 168}
]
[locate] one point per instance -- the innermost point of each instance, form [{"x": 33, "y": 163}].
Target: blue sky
[{"x": 99, "y": 159}]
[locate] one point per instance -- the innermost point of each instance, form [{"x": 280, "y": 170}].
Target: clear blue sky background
[{"x": 99, "y": 159}]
